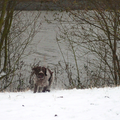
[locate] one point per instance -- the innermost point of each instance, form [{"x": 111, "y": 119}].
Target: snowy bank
[
  {"x": 87, "y": 104},
  {"x": 2, "y": 74}
]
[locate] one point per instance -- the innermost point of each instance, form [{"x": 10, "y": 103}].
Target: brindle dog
[{"x": 43, "y": 78}]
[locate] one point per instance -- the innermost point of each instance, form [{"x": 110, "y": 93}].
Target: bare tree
[
  {"x": 96, "y": 33},
  {"x": 17, "y": 29}
]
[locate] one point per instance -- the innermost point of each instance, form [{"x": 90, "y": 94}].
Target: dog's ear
[
  {"x": 44, "y": 70},
  {"x": 35, "y": 69}
]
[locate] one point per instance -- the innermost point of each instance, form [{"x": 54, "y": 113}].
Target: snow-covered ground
[{"x": 86, "y": 104}]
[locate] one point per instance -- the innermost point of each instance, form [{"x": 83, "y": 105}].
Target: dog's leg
[
  {"x": 46, "y": 89},
  {"x": 40, "y": 89},
  {"x": 35, "y": 88}
]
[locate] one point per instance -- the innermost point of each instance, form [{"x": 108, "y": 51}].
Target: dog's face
[
  {"x": 40, "y": 72},
  {"x": 42, "y": 78}
]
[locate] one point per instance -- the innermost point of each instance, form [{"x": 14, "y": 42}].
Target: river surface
[{"x": 44, "y": 48}]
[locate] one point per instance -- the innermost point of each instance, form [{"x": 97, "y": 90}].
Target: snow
[
  {"x": 85, "y": 104},
  {"x": 2, "y": 74}
]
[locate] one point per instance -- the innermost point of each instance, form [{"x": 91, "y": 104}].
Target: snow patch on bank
[{"x": 86, "y": 104}]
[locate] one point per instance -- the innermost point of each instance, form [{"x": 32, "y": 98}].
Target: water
[
  {"x": 44, "y": 43},
  {"x": 43, "y": 47}
]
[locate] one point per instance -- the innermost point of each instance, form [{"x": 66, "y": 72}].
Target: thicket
[
  {"x": 13, "y": 44},
  {"x": 92, "y": 37}
]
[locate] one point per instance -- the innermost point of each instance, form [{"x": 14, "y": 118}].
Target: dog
[{"x": 43, "y": 78}]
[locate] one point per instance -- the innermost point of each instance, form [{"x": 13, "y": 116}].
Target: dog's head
[{"x": 40, "y": 72}]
